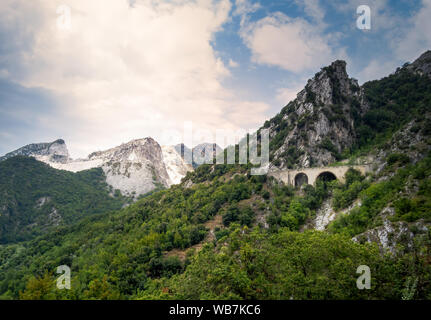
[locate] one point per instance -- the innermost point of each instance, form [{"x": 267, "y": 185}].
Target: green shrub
[{"x": 399, "y": 158}]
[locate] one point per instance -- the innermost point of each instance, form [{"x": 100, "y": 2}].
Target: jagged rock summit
[
  {"x": 54, "y": 151},
  {"x": 318, "y": 125},
  {"x": 135, "y": 168},
  {"x": 322, "y": 122}
]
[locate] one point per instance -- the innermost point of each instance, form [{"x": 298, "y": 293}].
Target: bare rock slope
[
  {"x": 318, "y": 125},
  {"x": 55, "y": 152}
]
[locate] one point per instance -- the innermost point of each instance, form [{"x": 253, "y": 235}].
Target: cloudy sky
[{"x": 117, "y": 70}]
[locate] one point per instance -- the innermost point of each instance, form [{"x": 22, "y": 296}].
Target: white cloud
[
  {"x": 285, "y": 95},
  {"x": 313, "y": 9},
  {"x": 417, "y": 39},
  {"x": 377, "y": 69},
  {"x": 233, "y": 64},
  {"x": 292, "y": 44},
  {"x": 126, "y": 72},
  {"x": 4, "y": 73},
  {"x": 245, "y": 7}
]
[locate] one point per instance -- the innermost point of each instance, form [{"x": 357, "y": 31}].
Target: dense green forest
[
  {"x": 394, "y": 101},
  {"x": 35, "y": 198},
  {"x": 226, "y": 234},
  {"x": 126, "y": 254}
]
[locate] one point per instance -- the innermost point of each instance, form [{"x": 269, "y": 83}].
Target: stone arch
[
  {"x": 326, "y": 176},
  {"x": 301, "y": 179}
]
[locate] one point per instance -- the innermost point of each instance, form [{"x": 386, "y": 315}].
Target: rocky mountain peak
[
  {"x": 329, "y": 85},
  {"x": 132, "y": 150},
  {"x": 135, "y": 168},
  {"x": 56, "y": 151},
  {"x": 422, "y": 65},
  {"x": 315, "y": 128},
  {"x": 336, "y": 71},
  {"x": 59, "y": 141}
]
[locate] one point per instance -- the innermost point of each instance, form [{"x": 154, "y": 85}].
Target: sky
[{"x": 99, "y": 73}]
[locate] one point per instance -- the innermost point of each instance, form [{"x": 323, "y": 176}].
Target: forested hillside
[
  {"x": 35, "y": 198},
  {"x": 255, "y": 252}
]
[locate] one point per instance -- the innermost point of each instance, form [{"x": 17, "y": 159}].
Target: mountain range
[
  {"x": 135, "y": 168},
  {"x": 223, "y": 233}
]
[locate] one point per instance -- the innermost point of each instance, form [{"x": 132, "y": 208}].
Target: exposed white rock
[
  {"x": 132, "y": 178},
  {"x": 176, "y": 167},
  {"x": 73, "y": 165},
  {"x": 383, "y": 233},
  {"x": 42, "y": 201},
  {"x": 55, "y": 152},
  {"x": 324, "y": 215},
  {"x": 391, "y": 234},
  {"x": 422, "y": 65},
  {"x": 188, "y": 184},
  {"x": 134, "y": 168},
  {"x": 55, "y": 217},
  {"x": 388, "y": 236}
]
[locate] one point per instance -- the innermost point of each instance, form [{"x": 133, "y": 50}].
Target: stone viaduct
[{"x": 297, "y": 177}]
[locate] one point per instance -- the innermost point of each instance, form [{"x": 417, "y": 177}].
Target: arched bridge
[{"x": 298, "y": 177}]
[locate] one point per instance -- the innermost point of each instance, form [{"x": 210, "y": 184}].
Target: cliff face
[
  {"x": 135, "y": 168},
  {"x": 315, "y": 128}
]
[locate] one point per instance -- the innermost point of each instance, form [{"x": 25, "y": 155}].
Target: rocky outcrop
[
  {"x": 392, "y": 236},
  {"x": 324, "y": 215},
  {"x": 134, "y": 168},
  {"x": 422, "y": 65},
  {"x": 410, "y": 140},
  {"x": 54, "y": 151},
  {"x": 315, "y": 128}
]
